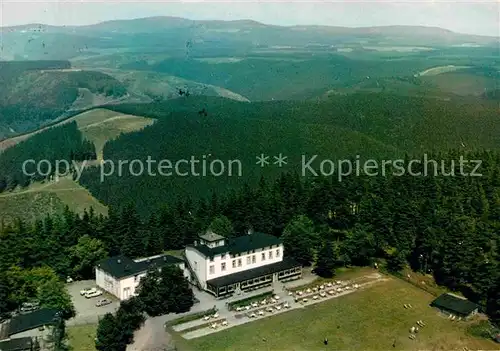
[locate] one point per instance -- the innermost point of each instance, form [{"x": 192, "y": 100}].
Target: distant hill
[
  {"x": 281, "y": 77},
  {"x": 36, "y": 93},
  {"x": 38, "y": 41}
]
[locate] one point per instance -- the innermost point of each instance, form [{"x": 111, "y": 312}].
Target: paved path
[{"x": 153, "y": 336}]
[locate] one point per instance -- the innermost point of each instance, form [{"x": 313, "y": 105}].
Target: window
[
  {"x": 263, "y": 256},
  {"x": 234, "y": 263},
  {"x": 248, "y": 259},
  {"x": 270, "y": 255},
  {"x": 239, "y": 262},
  {"x": 223, "y": 266},
  {"x": 253, "y": 259},
  {"x": 223, "y": 257},
  {"x": 136, "y": 278},
  {"x": 212, "y": 269},
  {"x": 211, "y": 259},
  {"x": 277, "y": 252}
]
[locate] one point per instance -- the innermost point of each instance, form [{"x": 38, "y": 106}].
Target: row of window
[
  {"x": 224, "y": 256},
  {"x": 250, "y": 260},
  {"x": 257, "y": 281}
]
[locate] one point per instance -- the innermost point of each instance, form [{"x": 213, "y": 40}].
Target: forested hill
[
  {"x": 34, "y": 93},
  {"x": 374, "y": 126},
  {"x": 64, "y": 142}
]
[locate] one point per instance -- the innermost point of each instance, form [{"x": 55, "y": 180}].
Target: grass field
[
  {"x": 372, "y": 319},
  {"x": 81, "y": 337},
  {"x": 41, "y": 199},
  {"x": 100, "y": 125}
]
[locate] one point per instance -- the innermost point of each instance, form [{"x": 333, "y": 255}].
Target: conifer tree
[{"x": 326, "y": 261}]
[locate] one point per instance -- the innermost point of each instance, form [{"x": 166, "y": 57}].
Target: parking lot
[{"x": 86, "y": 310}]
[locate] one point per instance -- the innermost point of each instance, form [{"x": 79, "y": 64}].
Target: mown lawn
[
  {"x": 372, "y": 319},
  {"x": 81, "y": 337}
]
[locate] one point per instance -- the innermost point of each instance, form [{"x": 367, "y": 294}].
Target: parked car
[
  {"x": 93, "y": 294},
  {"x": 69, "y": 280},
  {"x": 87, "y": 290},
  {"x": 103, "y": 302}
]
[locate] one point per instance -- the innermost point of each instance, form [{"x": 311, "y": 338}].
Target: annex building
[
  {"x": 455, "y": 305},
  {"x": 223, "y": 266},
  {"x": 120, "y": 275},
  {"x": 22, "y": 331}
]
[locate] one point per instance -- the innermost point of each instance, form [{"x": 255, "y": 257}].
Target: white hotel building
[
  {"x": 120, "y": 275},
  {"x": 223, "y": 266}
]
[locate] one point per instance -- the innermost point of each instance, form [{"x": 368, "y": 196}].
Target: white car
[
  {"x": 93, "y": 294},
  {"x": 87, "y": 290}
]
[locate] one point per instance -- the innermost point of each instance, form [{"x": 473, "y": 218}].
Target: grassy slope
[
  {"x": 35, "y": 97},
  {"x": 101, "y": 126},
  {"x": 39, "y": 200},
  {"x": 368, "y": 320},
  {"x": 98, "y": 125},
  {"x": 159, "y": 85}
]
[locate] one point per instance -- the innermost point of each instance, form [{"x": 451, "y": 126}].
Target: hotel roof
[
  {"x": 240, "y": 244},
  {"x": 122, "y": 266}
]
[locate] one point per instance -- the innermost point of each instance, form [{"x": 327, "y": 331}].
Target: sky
[{"x": 472, "y": 16}]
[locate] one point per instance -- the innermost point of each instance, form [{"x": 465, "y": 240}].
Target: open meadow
[
  {"x": 372, "y": 319},
  {"x": 40, "y": 199},
  {"x": 100, "y": 125}
]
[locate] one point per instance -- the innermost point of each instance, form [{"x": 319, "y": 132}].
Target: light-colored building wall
[
  {"x": 125, "y": 287},
  {"x": 33, "y": 333},
  {"x": 225, "y": 264},
  {"x": 245, "y": 261},
  {"x": 44, "y": 336},
  {"x": 128, "y": 285},
  {"x": 107, "y": 282},
  {"x": 198, "y": 264}
]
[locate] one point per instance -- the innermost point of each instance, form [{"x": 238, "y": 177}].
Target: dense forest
[
  {"x": 290, "y": 76},
  {"x": 64, "y": 142},
  {"x": 374, "y": 126},
  {"x": 448, "y": 226}
]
